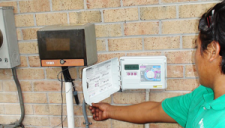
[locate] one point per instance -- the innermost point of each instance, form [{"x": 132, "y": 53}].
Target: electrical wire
[
  {"x": 64, "y": 76},
  {"x": 68, "y": 78},
  {"x": 19, "y": 123},
  {"x": 61, "y": 122}
]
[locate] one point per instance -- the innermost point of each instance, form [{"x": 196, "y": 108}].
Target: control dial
[
  {"x": 1, "y": 38},
  {"x": 150, "y": 74}
]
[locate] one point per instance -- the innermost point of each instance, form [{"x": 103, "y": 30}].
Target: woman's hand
[{"x": 100, "y": 111}]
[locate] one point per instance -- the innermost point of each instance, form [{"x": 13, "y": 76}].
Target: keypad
[{"x": 131, "y": 73}]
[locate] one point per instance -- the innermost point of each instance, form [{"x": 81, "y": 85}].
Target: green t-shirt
[{"x": 197, "y": 109}]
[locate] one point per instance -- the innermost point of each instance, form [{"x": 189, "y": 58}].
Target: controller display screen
[{"x": 131, "y": 67}]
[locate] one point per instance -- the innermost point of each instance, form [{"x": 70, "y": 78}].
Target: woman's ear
[{"x": 213, "y": 50}]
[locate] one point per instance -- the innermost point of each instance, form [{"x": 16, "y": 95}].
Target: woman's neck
[{"x": 219, "y": 86}]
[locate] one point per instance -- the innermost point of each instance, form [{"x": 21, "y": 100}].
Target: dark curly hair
[{"x": 212, "y": 28}]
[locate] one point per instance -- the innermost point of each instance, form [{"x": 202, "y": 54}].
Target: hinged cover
[{"x": 101, "y": 80}]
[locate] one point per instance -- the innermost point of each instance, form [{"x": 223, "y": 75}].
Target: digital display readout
[{"x": 131, "y": 67}]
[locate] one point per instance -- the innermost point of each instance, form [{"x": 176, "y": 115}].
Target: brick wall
[{"x": 123, "y": 28}]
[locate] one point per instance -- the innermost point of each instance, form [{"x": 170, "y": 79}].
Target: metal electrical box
[
  {"x": 67, "y": 45},
  {"x": 9, "y": 50}
]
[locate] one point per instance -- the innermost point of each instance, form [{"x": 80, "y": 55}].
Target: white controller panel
[
  {"x": 143, "y": 72},
  {"x": 101, "y": 80}
]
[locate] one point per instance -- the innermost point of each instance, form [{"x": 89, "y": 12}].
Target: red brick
[
  {"x": 162, "y": 43},
  {"x": 190, "y": 71},
  {"x": 9, "y": 97},
  {"x": 7, "y": 119},
  {"x": 108, "y": 30},
  {"x": 115, "y": 15},
  {"x": 51, "y": 18},
  {"x": 2, "y": 111},
  {"x": 19, "y": 34},
  {"x": 160, "y": 12},
  {"x": 175, "y": 71},
  {"x": 102, "y": 3},
  {"x": 128, "y": 98},
  {"x": 182, "y": 84},
  {"x": 5, "y": 74},
  {"x": 30, "y": 74},
  {"x": 139, "y": 2},
  {"x": 55, "y": 121},
  {"x": 35, "y": 97},
  {"x": 47, "y": 86},
  {"x": 54, "y": 109},
  {"x": 29, "y": 33},
  {"x": 36, "y": 120},
  {"x": 125, "y": 44},
  {"x": 144, "y": 54},
  {"x": 23, "y": 61},
  {"x": 67, "y": 4},
  {"x": 122, "y": 124},
  {"x": 180, "y": 57},
  {"x": 194, "y": 10},
  {"x": 28, "y": 48},
  {"x": 180, "y": 26},
  {"x": 141, "y": 28},
  {"x": 24, "y": 20},
  {"x": 85, "y": 17},
  {"x": 14, "y": 4},
  {"x": 15, "y": 109},
  {"x": 34, "y": 61},
  {"x": 189, "y": 41},
  {"x": 34, "y": 6},
  {"x": 10, "y": 86},
  {"x": 101, "y": 45},
  {"x": 104, "y": 57},
  {"x": 160, "y": 96}
]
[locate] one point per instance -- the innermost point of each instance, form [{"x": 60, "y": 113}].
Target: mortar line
[
  {"x": 85, "y": 4},
  {"x": 181, "y": 42},
  {"x": 102, "y": 18},
  {"x": 35, "y": 22},
  {"x": 177, "y": 12},
  {"x": 50, "y": 2},
  {"x": 18, "y": 7},
  {"x": 121, "y": 3}
]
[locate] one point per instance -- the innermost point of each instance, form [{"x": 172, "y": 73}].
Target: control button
[
  {"x": 135, "y": 73},
  {"x": 62, "y": 61},
  {"x": 128, "y": 73},
  {"x": 150, "y": 74},
  {"x": 6, "y": 60},
  {"x": 131, "y": 73}
]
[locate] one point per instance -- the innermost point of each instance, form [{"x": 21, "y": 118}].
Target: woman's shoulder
[{"x": 201, "y": 89}]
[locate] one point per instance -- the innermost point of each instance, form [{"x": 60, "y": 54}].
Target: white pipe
[
  {"x": 147, "y": 99},
  {"x": 69, "y": 104}
]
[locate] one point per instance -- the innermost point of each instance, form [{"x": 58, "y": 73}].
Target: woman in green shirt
[{"x": 202, "y": 108}]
